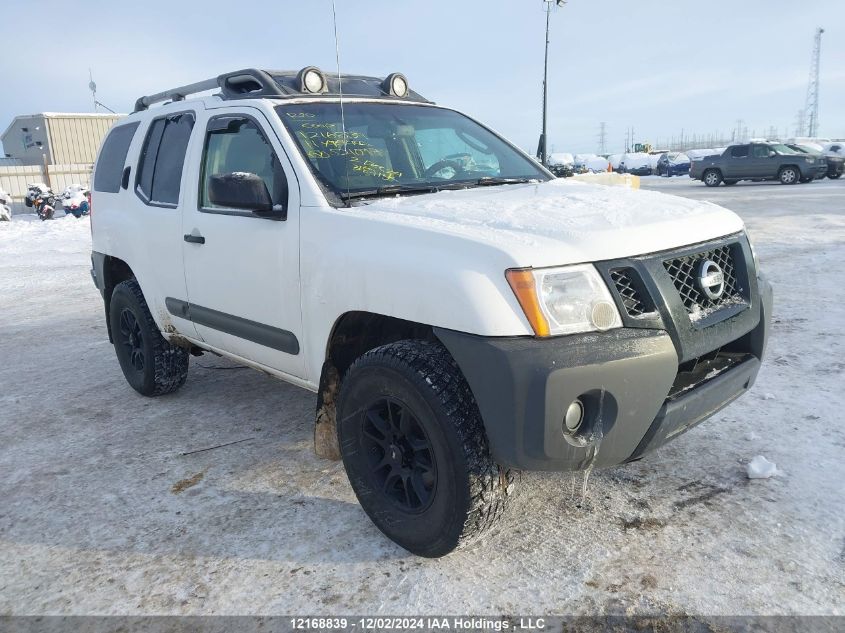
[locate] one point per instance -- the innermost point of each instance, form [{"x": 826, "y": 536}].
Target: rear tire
[
  {"x": 788, "y": 176},
  {"x": 712, "y": 177},
  {"x": 415, "y": 450},
  {"x": 834, "y": 176},
  {"x": 152, "y": 365}
]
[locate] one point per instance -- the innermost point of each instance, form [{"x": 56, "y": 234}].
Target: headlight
[{"x": 564, "y": 300}]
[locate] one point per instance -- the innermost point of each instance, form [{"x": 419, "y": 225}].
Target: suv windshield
[
  {"x": 783, "y": 149},
  {"x": 392, "y": 148}
]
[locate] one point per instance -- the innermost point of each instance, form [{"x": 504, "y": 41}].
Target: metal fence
[{"x": 14, "y": 180}]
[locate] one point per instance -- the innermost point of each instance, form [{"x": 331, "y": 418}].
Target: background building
[{"x": 57, "y": 139}]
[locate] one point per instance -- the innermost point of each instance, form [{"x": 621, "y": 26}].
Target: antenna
[
  {"x": 340, "y": 90},
  {"x": 93, "y": 88}
]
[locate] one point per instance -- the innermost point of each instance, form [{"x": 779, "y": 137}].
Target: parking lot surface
[{"x": 110, "y": 505}]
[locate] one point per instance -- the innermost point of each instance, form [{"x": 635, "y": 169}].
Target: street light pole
[{"x": 542, "y": 154}]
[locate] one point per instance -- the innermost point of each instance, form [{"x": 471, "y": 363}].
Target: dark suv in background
[{"x": 757, "y": 161}]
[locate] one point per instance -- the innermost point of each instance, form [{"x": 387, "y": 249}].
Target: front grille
[
  {"x": 632, "y": 296},
  {"x": 684, "y": 272}
]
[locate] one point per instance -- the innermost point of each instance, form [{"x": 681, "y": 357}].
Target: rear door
[
  {"x": 242, "y": 271},
  {"x": 152, "y": 234},
  {"x": 737, "y": 163}
]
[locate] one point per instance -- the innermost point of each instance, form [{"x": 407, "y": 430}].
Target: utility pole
[
  {"x": 811, "y": 102},
  {"x": 542, "y": 155},
  {"x": 602, "y": 138}
]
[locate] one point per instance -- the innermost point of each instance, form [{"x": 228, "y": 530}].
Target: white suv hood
[{"x": 560, "y": 221}]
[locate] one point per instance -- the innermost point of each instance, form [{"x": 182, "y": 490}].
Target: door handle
[{"x": 195, "y": 239}]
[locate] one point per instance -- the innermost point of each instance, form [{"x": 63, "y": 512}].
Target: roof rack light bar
[{"x": 249, "y": 82}]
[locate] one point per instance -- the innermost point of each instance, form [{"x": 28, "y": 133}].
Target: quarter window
[
  {"x": 162, "y": 159},
  {"x": 739, "y": 151},
  {"x": 113, "y": 157},
  {"x": 237, "y": 145}
]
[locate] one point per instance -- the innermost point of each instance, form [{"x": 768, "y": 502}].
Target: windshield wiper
[
  {"x": 389, "y": 190},
  {"x": 489, "y": 181}
]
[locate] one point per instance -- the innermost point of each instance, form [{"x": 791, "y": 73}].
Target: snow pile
[
  {"x": 761, "y": 468},
  {"x": 697, "y": 154}
]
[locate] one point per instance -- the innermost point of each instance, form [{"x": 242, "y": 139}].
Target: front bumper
[{"x": 633, "y": 381}]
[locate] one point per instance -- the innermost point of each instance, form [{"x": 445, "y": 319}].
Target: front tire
[
  {"x": 712, "y": 177},
  {"x": 151, "y": 364},
  {"x": 788, "y": 176},
  {"x": 415, "y": 450}
]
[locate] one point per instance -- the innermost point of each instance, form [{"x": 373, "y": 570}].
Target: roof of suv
[{"x": 252, "y": 83}]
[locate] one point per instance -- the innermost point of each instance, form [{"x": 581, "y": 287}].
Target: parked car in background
[
  {"x": 614, "y": 160},
  {"x": 561, "y": 164},
  {"x": 672, "y": 164},
  {"x": 636, "y": 163},
  {"x": 837, "y": 148},
  {"x": 590, "y": 163},
  {"x": 755, "y": 161},
  {"x": 827, "y": 166}
]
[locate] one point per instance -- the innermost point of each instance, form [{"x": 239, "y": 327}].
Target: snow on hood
[{"x": 560, "y": 221}]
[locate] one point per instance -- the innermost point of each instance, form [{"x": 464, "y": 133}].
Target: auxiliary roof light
[
  {"x": 312, "y": 79},
  {"x": 396, "y": 85}
]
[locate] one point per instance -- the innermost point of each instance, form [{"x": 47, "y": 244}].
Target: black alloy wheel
[{"x": 399, "y": 454}]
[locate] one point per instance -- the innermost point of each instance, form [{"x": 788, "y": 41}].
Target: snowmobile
[
  {"x": 5, "y": 206},
  {"x": 40, "y": 197},
  {"x": 74, "y": 200}
]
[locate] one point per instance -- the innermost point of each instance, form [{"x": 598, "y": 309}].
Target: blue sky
[{"x": 657, "y": 66}]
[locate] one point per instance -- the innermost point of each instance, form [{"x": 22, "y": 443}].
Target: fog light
[
  {"x": 604, "y": 315},
  {"x": 574, "y": 417}
]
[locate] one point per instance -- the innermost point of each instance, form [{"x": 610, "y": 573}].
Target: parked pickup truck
[
  {"x": 460, "y": 313},
  {"x": 757, "y": 161}
]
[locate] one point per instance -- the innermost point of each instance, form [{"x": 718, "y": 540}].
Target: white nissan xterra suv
[{"x": 460, "y": 313}]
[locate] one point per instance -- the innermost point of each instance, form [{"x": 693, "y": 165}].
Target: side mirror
[
  {"x": 243, "y": 190},
  {"x": 772, "y": 153}
]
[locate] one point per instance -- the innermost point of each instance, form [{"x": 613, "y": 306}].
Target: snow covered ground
[{"x": 102, "y": 512}]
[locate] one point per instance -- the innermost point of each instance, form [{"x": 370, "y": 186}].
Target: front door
[
  {"x": 762, "y": 164},
  {"x": 242, "y": 271}
]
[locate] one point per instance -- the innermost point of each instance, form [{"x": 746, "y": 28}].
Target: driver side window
[
  {"x": 760, "y": 151},
  {"x": 235, "y": 145}
]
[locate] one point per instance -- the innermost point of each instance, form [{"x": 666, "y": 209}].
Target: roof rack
[
  {"x": 249, "y": 82},
  {"x": 254, "y": 83}
]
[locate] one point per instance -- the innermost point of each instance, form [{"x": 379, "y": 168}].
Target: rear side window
[
  {"x": 113, "y": 157},
  {"x": 162, "y": 158},
  {"x": 739, "y": 151}
]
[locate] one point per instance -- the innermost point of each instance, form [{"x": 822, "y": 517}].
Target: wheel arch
[
  {"x": 353, "y": 334},
  {"x": 115, "y": 271}
]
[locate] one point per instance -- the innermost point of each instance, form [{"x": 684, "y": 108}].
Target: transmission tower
[
  {"x": 811, "y": 104},
  {"x": 602, "y": 138}
]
